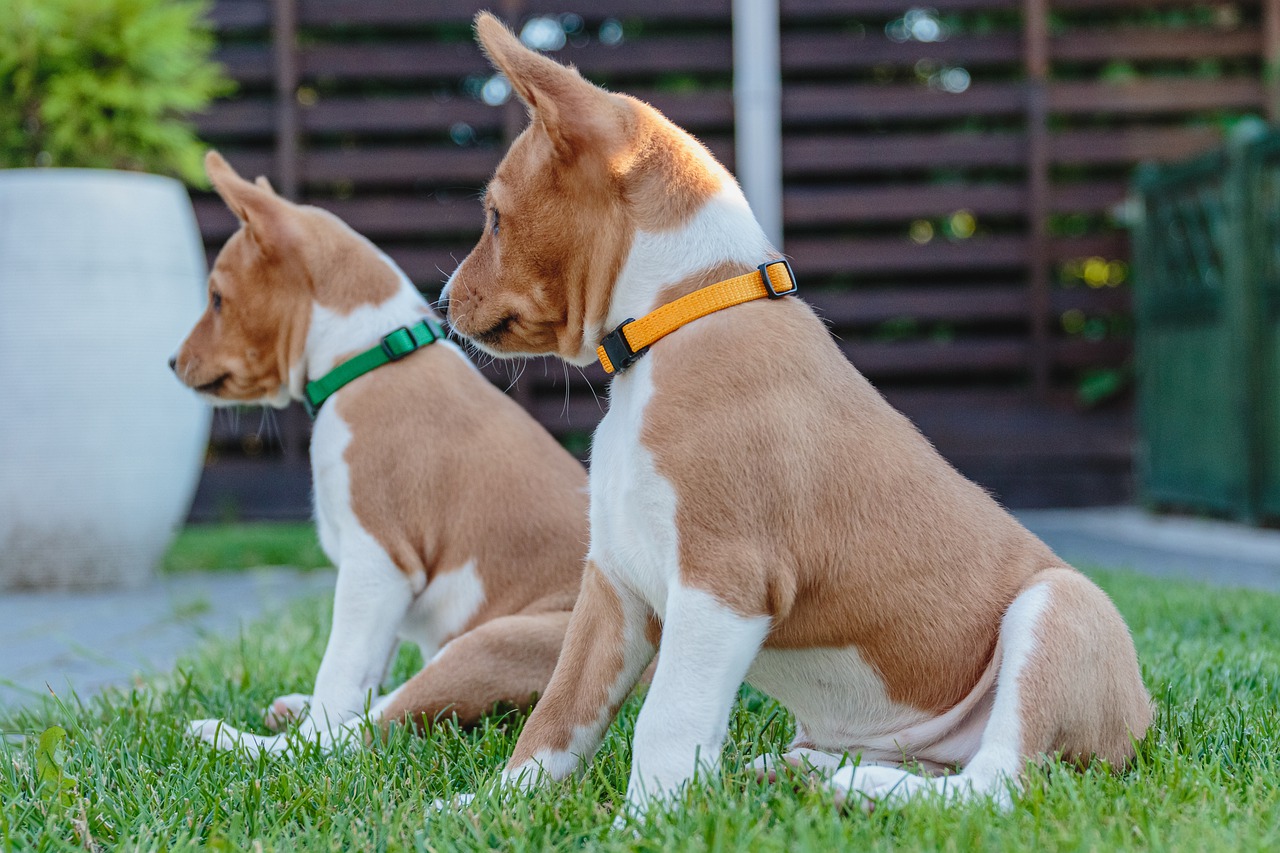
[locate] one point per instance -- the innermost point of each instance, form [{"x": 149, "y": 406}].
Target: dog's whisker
[{"x": 592, "y": 388}]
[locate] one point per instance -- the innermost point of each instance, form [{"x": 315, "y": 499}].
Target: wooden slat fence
[{"x": 952, "y": 175}]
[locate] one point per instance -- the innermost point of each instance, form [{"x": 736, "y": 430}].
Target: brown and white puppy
[
  {"x": 757, "y": 506},
  {"x": 456, "y": 522}
]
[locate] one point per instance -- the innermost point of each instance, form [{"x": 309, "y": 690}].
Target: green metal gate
[{"x": 1207, "y": 294}]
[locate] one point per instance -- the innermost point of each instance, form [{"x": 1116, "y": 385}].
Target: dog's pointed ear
[
  {"x": 264, "y": 214},
  {"x": 573, "y": 111},
  {"x": 262, "y": 181}
]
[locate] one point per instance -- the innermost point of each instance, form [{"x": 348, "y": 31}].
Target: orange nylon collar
[{"x": 632, "y": 339}]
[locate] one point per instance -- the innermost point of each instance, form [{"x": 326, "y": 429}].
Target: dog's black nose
[
  {"x": 442, "y": 305},
  {"x": 173, "y": 363}
]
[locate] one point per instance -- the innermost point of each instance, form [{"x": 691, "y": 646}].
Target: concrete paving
[
  {"x": 1216, "y": 552},
  {"x": 87, "y": 641}
]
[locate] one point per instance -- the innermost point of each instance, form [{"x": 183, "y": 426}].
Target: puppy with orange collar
[
  {"x": 409, "y": 442},
  {"x": 758, "y": 511}
]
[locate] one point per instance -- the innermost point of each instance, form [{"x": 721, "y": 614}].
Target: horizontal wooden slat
[
  {"x": 820, "y": 155},
  {"x": 404, "y": 165},
  {"x": 1147, "y": 43},
  {"x": 885, "y": 255},
  {"x": 398, "y": 13},
  {"x": 917, "y": 358},
  {"x": 245, "y": 117},
  {"x": 1125, "y": 5},
  {"x": 881, "y": 255},
  {"x": 841, "y": 51},
  {"x": 1155, "y": 96},
  {"x": 1012, "y": 424},
  {"x": 1130, "y": 146},
  {"x": 247, "y": 64},
  {"x": 924, "y": 304},
  {"x": 859, "y": 307},
  {"x": 838, "y": 103},
  {"x": 1079, "y": 354},
  {"x": 826, "y": 206},
  {"x": 401, "y": 114},
  {"x": 884, "y": 8},
  {"x": 237, "y": 16},
  {"x": 1087, "y": 196},
  {"x": 392, "y": 61}
]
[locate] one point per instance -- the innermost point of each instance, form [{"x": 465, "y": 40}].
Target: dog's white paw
[
  {"x": 456, "y": 803},
  {"x": 871, "y": 785},
  {"x": 216, "y": 732},
  {"x": 285, "y": 710},
  {"x": 227, "y": 738}
]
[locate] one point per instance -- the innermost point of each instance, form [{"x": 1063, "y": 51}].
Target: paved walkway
[
  {"x": 88, "y": 640},
  {"x": 91, "y": 640},
  {"x": 1163, "y": 546}
]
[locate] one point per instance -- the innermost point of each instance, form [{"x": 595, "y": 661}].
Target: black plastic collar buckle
[
  {"x": 768, "y": 282},
  {"x": 621, "y": 356},
  {"x": 398, "y": 350}
]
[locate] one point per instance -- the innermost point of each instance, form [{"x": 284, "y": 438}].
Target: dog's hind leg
[
  {"x": 1068, "y": 684},
  {"x": 504, "y": 662},
  {"x": 802, "y": 760}
]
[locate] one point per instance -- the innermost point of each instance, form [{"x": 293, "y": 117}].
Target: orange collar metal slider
[{"x": 632, "y": 339}]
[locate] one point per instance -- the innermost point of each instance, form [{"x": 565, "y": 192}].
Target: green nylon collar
[{"x": 393, "y": 347}]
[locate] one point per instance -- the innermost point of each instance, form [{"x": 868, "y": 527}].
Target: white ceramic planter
[{"x": 101, "y": 275}]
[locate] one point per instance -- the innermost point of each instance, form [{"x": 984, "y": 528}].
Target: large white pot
[{"x": 101, "y": 275}]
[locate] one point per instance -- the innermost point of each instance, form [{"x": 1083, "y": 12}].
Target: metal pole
[
  {"x": 284, "y": 43},
  {"x": 757, "y": 105}
]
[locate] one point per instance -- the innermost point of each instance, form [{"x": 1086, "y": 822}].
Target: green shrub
[{"x": 105, "y": 84}]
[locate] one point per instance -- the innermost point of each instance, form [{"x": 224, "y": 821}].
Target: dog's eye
[
  {"x": 215, "y": 299},
  {"x": 495, "y": 221}
]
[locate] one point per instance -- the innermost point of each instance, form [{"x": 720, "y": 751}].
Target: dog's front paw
[{"x": 285, "y": 710}]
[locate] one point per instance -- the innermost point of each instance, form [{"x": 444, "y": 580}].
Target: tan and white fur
[
  {"x": 455, "y": 521},
  {"x": 758, "y": 511}
]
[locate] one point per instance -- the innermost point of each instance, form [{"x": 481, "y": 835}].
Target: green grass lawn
[
  {"x": 244, "y": 545},
  {"x": 1206, "y": 777}
]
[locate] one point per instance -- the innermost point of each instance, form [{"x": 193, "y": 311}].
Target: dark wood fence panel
[{"x": 953, "y": 180}]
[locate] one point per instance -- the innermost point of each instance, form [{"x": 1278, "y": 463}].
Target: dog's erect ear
[
  {"x": 264, "y": 214},
  {"x": 262, "y": 181},
  {"x": 573, "y": 111}
]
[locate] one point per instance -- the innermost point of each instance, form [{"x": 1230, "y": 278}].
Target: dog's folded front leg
[
  {"x": 609, "y": 642},
  {"x": 369, "y": 605},
  {"x": 705, "y": 653}
]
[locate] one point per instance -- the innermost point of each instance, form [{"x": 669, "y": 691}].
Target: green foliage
[
  {"x": 56, "y": 785},
  {"x": 1206, "y": 778},
  {"x": 105, "y": 84}
]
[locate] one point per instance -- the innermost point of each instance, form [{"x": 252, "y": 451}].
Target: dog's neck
[
  {"x": 335, "y": 336},
  {"x": 661, "y": 265}
]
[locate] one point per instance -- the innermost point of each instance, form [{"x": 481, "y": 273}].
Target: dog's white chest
[{"x": 633, "y": 507}]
